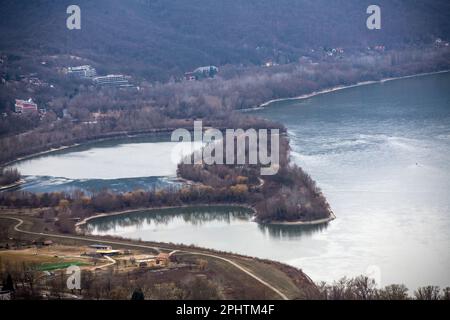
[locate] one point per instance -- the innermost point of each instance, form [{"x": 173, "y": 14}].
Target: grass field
[
  {"x": 40, "y": 262},
  {"x": 60, "y": 265}
]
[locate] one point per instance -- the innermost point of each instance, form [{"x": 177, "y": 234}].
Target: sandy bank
[{"x": 338, "y": 88}]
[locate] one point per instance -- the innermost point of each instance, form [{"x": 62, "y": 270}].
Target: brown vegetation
[
  {"x": 289, "y": 195},
  {"x": 8, "y": 176},
  {"x": 96, "y": 113},
  {"x": 364, "y": 288}
]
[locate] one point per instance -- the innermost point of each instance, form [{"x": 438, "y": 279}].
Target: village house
[
  {"x": 5, "y": 295},
  {"x": 147, "y": 263},
  {"x": 100, "y": 247},
  {"x": 110, "y": 252},
  {"x": 44, "y": 243},
  {"x": 201, "y": 72},
  {"x": 104, "y": 250},
  {"x": 207, "y": 70},
  {"x": 25, "y": 106},
  {"x": 379, "y": 48},
  {"x": 161, "y": 260},
  {"x": 189, "y": 76},
  {"x": 440, "y": 43}
]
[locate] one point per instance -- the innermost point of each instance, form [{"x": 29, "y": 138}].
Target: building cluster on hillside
[
  {"x": 160, "y": 260},
  {"x": 32, "y": 79},
  {"x": 270, "y": 63},
  {"x": 201, "y": 73},
  {"x": 87, "y": 72},
  {"x": 439, "y": 43}
]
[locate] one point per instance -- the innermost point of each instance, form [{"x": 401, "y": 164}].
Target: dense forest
[
  {"x": 289, "y": 195},
  {"x": 157, "y": 39}
]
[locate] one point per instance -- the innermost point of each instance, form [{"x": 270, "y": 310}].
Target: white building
[
  {"x": 207, "y": 70},
  {"x": 82, "y": 71},
  {"x": 112, "y": 80}
]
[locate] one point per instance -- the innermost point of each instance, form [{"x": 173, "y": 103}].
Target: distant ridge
[{"x": 158, "y": 38}]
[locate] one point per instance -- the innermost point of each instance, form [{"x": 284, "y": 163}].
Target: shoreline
[
  {"x": 263, "y": 105},
  {"x": 339, "y": 88},
  {"x": 114, "y": 136},
  {"x": 304, "y": 223},
  {"x": 83, "y": 222},
  {"x": 79, "y": 225},
  {"x": 163, "y": 131},
  {"x": 12, "y": 185}
]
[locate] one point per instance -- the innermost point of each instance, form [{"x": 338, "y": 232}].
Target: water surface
[
  {"x": 381, "y": 154},
  {"x": 118, "y": 165}
]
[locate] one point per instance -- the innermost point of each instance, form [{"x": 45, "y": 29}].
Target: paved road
[{"x": 251, "y": 274}]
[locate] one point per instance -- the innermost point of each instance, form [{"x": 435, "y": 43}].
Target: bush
[{"x": 9, "y": 176}]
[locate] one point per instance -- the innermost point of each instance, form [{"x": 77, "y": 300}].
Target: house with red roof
[{"x": 25, "y": 106}]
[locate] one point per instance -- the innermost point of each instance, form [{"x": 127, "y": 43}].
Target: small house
[
  {"x": 109, "y": 252},
  {"x": 5, "y": 295},
  {"x": 163, "y": 259},
  {"x": 190, "y": 76},
  {"x": 100, "y": 247},
  {"x": 25, "y": 106},
  {"x": 45, "y": 243}
]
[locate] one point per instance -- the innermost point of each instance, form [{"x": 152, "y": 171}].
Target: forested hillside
[{"x": 157, "y": 39}]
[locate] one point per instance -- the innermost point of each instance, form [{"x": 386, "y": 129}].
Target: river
[{"x": 380, "y": 153}]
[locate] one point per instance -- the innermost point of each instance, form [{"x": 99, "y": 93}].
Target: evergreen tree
[
  {"x": 9, "y": 283},
  {"x": 137, "y": 294}
]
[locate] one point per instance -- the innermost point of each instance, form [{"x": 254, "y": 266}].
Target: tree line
[
  {"x": 289, "y": 195},
  {"x": 92, "y": 112},
  {"x": 9, "y": 176},
  {"x": 24, "y": 281},
  {"x": 365, "y": 288}
]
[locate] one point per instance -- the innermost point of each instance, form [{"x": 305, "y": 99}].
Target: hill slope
[{"x": 157, "y": 38}]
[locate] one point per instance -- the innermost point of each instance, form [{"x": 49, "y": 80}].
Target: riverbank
[
  {"x": 81, "y": 224},
  {"x": 338, "y": 88},
  {"x": 78, "y": 225},
  {"x": 12, "y": 185},
  {"x": 304, "y": 223},
  {"x": 106, "y": 137},
  {"x": 115, "y": 135},
  {"x": 118, "y": 135}
]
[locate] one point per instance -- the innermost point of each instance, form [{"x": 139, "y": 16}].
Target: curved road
[{"x": 251, "y": 274}]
